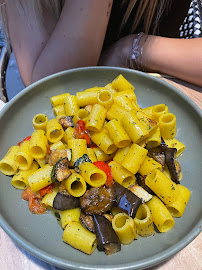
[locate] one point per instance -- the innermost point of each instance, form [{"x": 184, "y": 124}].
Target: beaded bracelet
[{"x": 135, "y": 55}]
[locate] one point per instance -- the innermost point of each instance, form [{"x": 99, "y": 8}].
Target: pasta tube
[
  {"x": 75, "y": 184},
  {"x": 134, "y": 158},
  {"x": 162, "y": 186},
  {"x": 121, "y": 153},
  {"x": 121, "y": 175},
  {"x": 148, "y": 110},
  {"x": 69, "y": 134},
  {"x": 41, "y": 161},
  {"x": 117, "y": 133},
  {"x": 87, "y": 98},
  {"x": 160, "y": 215},
  {"x": 96, "y": 118},
  {"x": 71, "y": 105},
  {"x": 70, "y": 215},
  {"x": 154, "y": 139},
  {"x": 120, "y": 84},
  {"x": 59, "y": 110},
  {"x": 101, "y": 156},
  {"x": 149, "y": 122},
  {"x": 40, "y": 121},
  {"x": 136, "y": 130},
  {"x": 23, "y": 158},
  {"x": 80, "y": 238},
  {"x": 174, "y": 143},
  {"x": 79, "y": 148},
  {"x": 81, "y": 114},
  {"x": 143, "y": 221},
  {"x": 54, "y": 131},
  {"x": 91, "y": 154},
  {"x": 19, "y": 180},
  {"x": 103, "y": 140},
  {"x": 57, "y": 146},
  {"x": 124, "y": 101},
  {"x": 7, "y": 164},
  {"x": 127, "y": 93},
  {"x": 158, "y": 110},
  {"x": 40, "y": 178},
  {"x": 148, "y": 165},
  {"x": 125, "y": 228},
  {"x": 167, "y": 124},
  {"x": 177, "y": 207},
  {"x": 92, "y": 175},
  {"x": 115, "y": 112},
  {"x": 59, "y": 99},
  {"x": 105, "y": 98},
  {"x": 59, "y": 116},
  {"x": 38, "y": 144},
  {"x": 110, "y": 88},
  {"x": 49, "y": 198}
]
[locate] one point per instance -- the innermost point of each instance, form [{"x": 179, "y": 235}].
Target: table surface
[{"x": 13, "y": 257}]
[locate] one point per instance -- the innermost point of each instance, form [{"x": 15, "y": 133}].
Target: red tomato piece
[
  {"x": 46, "y": 190},
  {"x": 35, "y": 205},
  {"x": 25, "y": 139},
  {"x": 81, "y": 132},
  {"x": 105, "y": 168}
]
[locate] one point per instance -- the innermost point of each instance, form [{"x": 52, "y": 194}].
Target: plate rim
[{"x": 54, "y": 260}]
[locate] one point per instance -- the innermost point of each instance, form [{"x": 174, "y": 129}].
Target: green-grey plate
[{"x": 40, "y": 234}]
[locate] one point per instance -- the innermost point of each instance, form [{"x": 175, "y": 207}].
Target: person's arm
[
  {"x": 181, "y": 58},
  {"x": 74, "y": 40}
]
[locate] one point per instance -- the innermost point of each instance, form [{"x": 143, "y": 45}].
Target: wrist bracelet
[{"x": 135, "y": 55}]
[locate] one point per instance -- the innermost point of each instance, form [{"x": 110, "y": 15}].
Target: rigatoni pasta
[
  {"x": 40, "y": 121},
  {"x": 101, "y": 167},
  {"x": 8, "y": 165}
]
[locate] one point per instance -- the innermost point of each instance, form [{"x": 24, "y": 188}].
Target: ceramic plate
[{"x": 41, "y": 235}]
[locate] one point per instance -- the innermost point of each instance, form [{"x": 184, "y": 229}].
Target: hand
[{"x": 117, "y": 55}]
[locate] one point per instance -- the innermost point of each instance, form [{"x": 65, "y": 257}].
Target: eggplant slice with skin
[
  {"x": 158, "y": 154},
  {"x": 87, "y": 221},
  {"x": 141, "y": 182},
  {"x": 66, "y": 122},
  {"x": 170, "y": 162},
  {"x": 126, "y": 200},
  {"x": 63, "y": 201},
  {"x": 60, "y": 170},
  {"x": 106, "y": 236},
  {"x": 97, "y": 200},
  {"x": 58, "y": 154}
]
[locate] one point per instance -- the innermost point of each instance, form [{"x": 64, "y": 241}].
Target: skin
[
  {"x": 181, "y": 58},
  {"x": 76, "y": 40}
]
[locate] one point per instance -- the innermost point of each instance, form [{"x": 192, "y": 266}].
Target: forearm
[
  {"x": 75, "y": 42},
  {"x": 181, "y": 58},
  {"x": 176, "y": 57}
]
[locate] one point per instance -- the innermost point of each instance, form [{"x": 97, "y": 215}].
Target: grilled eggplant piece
[
  {"x": 170, "y": 162},
  {"x": 66, "y": 122},
  {"x": 106, "y": 236},
  {"x": 140, "y": 192},
  {"x": 126, "y": 200},
  {"x": 63, "y": 201},
  {"x": 56, "y": 155},
  {"x": 60, "y": 170},
  {"x": 141, "y": 182},
  {"x": 87, "y": 221},
  {"x": 79, "y": 161},
  {"x": 158, "y": 154},
  {"x": 178, "y": 169},
  {"x": 98, "y": 200}
]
